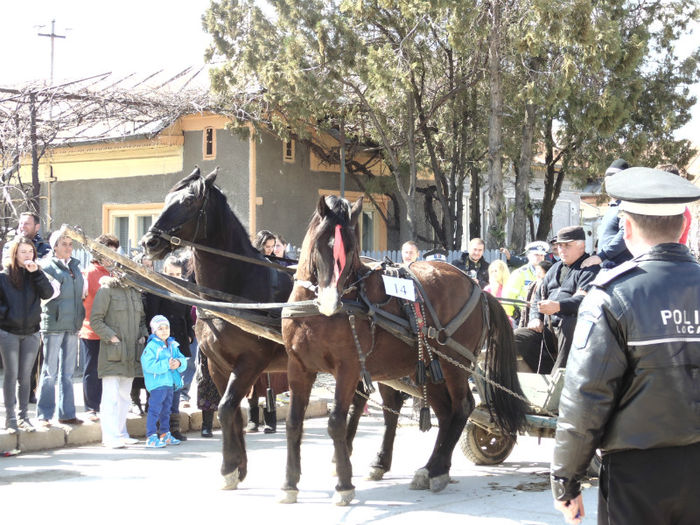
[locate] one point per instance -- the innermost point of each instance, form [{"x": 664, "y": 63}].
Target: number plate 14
[{"x": 398, "y": 287}]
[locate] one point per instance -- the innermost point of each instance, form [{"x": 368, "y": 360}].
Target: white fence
[{"x": 395, "y": 255}]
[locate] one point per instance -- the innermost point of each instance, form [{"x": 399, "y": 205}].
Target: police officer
[
  {"x": 611, "y": 244},
  {"x": 520, "y": 280},
  {"x": 632, "y": 385},
  {"x": 437, "y": 254}
]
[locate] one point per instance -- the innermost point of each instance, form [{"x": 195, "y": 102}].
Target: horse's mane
[{"x": 226, "y": 218}]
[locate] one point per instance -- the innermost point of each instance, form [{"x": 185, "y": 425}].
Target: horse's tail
[{"x": 507, "y": 410}]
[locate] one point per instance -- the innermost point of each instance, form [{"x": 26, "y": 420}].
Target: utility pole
[{"x": 53, "y": 36}]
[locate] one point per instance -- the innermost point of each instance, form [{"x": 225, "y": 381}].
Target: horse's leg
[
  {"x": 392, "y": 401},
  {"x": 234, "y": 463},
  {"x": 300, "y": 384},
  {"x": 359, "y": 401},
  {"x": 452, "y": 416},
  {"x": 337, "y": 430}
]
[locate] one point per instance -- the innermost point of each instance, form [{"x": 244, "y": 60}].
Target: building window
[
  {"x": 367, "y": 229},
  {"x": 288, "y": 147},
  {"x": 209, "y": 143},
  {"x": 129, "y": 222}
]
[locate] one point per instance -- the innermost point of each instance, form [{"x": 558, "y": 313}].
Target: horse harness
[
  {"x": 422, "y": 332},
  {"x": 413, "y": 328}
]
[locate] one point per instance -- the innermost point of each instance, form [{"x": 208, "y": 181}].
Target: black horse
[{"x": 197, "y": 211}]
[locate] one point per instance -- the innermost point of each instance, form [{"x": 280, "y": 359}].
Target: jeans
[
  {"x": 175, "y": 401},
  {"x": 60, "y": 354},
  {"x": 92, "y": 384},
  {"x": 115, "y": 406},
  {"x": 159, "y": 410},
  {"x": 18, "y": 354},
  {"x": 188, "y": 374}
]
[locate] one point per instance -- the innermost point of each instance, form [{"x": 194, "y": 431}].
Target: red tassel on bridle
[{"x": 338, "y": 256}]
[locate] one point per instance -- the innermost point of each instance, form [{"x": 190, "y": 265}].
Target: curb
[{"x": 59, "y": 436}]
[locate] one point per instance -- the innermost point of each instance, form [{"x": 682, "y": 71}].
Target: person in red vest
[{"x": 89, "y": 340}]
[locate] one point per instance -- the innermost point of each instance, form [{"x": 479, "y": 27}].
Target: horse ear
[
  {"x": 355, "y": 211},
  {"x": 322, "y": 207},
  {"x": 209, "y": 179},
  {"x": 191, "y": 177}
]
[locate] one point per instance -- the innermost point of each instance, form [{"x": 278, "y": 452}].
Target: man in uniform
[
  {"x": 521, "y": 279},
  {"x": 632, "y": 385},
  {"x": 473, "y": 262},
  {"x": 562, "y": 291},
  {"x": 611, "y": 244},
  {"x": 436, "y": 254}
]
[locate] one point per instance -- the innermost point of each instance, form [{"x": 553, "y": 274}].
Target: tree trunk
[
  {"x": 522, "y": 179},
  {"x": 474, "y": 203},
  {"x": 496, "y": 230},
  {"x": 552, "y": 183},
  {"x": 410, "y": 224}
]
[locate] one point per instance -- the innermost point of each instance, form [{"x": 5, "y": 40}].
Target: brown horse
[
  {"x": 196, "y": 210},
  {"x": 330, "y": 260}
]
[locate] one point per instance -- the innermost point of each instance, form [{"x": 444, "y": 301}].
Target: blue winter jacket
[{"x": 155, "y": 363}]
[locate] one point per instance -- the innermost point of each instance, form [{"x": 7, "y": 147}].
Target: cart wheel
[
  {"x": 593, "y": 470},
  {"x": 482, "y": 447}
]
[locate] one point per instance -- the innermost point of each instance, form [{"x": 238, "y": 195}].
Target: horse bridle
[
  {"x": 176, "y": 240},
  {"x": 202, "y": 217}
]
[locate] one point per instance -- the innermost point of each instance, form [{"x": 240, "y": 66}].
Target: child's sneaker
[
  {"x": 169, "y": 439},
  {"x": 154, "y": 441}
]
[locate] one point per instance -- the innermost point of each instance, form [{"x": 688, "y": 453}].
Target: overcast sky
[
  {"x": 124, "y": 36},
  {"x": 130, "y": 36}
]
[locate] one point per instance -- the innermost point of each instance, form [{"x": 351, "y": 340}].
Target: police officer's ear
[{"x": 628, "y": 226}]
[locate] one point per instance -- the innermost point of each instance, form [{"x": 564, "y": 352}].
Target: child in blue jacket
[{"x": 162, "y": 363}]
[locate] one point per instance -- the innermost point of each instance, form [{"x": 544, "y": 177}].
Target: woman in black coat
[
  {"x": 22, "y": 287},
  {"x": 181, "y": 328}
]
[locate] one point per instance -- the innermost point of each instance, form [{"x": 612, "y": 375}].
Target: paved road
[{"x": 99, "y": 485}]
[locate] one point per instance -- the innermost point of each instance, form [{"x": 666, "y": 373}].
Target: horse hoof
[
  {"x": 421, "y": 480},
  {"x": 343, "y": 498},
  {"x": 289, "y": 496},
  {"x": 231, "y": 480},
  {"x": 376, "y": 474},
  {"x": 438, "y": 483}
]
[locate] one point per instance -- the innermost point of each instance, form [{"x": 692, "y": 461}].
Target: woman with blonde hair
[{"x": 498, "y": 277}]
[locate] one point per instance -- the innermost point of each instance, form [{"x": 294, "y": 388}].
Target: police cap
[
  {"x": 647, "y": 191},
  {"x": 438, "y": 254},
  {"x": 539, "y": 247}
]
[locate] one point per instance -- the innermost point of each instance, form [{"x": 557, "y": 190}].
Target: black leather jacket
[
  {"x": 481, "y": 267},
  {"x": 564, "y": 291},
  {"x": 20, "y": 309},
  {"x": 633, "y": 375}
]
